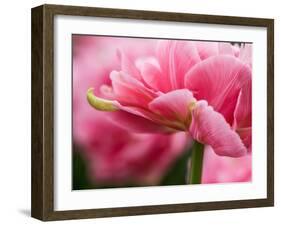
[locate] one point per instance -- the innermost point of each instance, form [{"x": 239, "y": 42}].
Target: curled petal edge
[
  {"x": 100, "y": 103},
  {"x": 210, "y": 127}
]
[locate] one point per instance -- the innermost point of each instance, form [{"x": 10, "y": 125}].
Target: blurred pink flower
[
  {"x": 121, "y": 157},
  {"x": 201, "y": 88},
  {"x": 221, "y": 169},
  {"x": 115, "y": 155}
]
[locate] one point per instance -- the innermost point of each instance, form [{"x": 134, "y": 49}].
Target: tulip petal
[
  {"x": 218, "y": 80},
  {"x": 226, "y": 48},
  {"x": 137, "y": 124},
  {"x": 246, "y": 137},
  {"x": 174, "y": 106},
  {"x": 209, "y": 127},
  {"x": 100, "y": 103},
  {"x": 243, "y": 109},
  {"x": 132, "y": 119},
  {"x": 223, "y": 169},
  {"x": 129, "y": 91},
  {"x": 245, "y": 54},
  {"x": 128, "y": 64},
  {"x": 243, "y": 115},
  {"x": 175, "y": 59},
  {"x": 207, "y": 49},
  {"x": 152, "y": 76},
  {"x": 236, "y": 50}
]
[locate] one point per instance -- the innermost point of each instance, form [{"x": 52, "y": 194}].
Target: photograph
[
  {"x": 158, "y": 112},
  {"x": 140, "y": 112},
  {"x": 125, "y": 113}
]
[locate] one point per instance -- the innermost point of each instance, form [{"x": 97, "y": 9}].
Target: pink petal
[
  {"x": 243, "y": 109},
  {"x": 129, "y": 91},
  {"x": 243, "y": 115},
  {"x": 126, "y": 115},
  {"x": 174, "y": 106},
  {"x": 128, "y": 64},
  {"x": 175, "y": 59},
  {"x": 152, "y": 76},
  {"x": 135, "y": 123},
  {"x": 245, "y": 54},
  {"x": 246, "y": 137},
  {"x": 223, "y": 169},
  {"x": 236, "y": 50},
  {"x": 226, "y": 48},
  {"x": 207, "y": 49},
  {"x": 209, "y": 127},
  {"x": 218, "y": 80}
]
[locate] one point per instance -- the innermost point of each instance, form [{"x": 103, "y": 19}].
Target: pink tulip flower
[
  {"x": 222, "y": 169},
  {"x": 201, "y": 88},
  {"x": 113, "y": 154}
]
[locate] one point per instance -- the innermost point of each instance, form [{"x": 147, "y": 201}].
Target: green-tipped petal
[{"x": 100, "y": 103}]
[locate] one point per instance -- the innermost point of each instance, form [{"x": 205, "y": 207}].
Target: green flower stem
[{"x": 196, "y": 163}]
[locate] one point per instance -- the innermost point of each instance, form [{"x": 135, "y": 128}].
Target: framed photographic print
[{"x": 141, "y": 112}]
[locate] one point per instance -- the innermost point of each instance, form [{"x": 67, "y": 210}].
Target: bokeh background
[{"x": 105, "y": 155}]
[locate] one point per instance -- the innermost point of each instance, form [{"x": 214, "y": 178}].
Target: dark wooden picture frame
[{"x": 42, "y": 204}]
